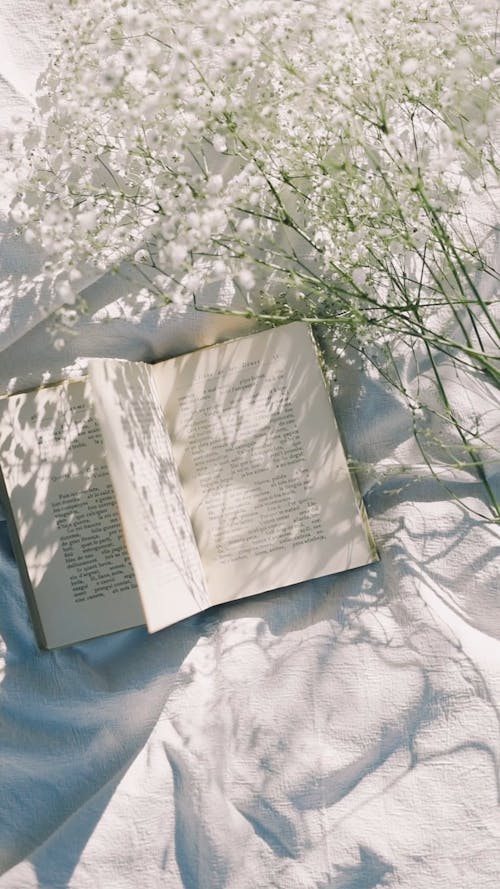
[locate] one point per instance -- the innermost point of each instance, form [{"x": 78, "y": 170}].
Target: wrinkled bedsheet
[{"x": 340, "y": 734}]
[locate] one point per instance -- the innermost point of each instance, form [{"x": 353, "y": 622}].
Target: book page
[
  {"x": 263, "y": 470},
  {"x": 157, "y": 528},
  {"x": 64, "y": 509}
]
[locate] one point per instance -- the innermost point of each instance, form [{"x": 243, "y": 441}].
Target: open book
[{"x": 147, "y": 493}]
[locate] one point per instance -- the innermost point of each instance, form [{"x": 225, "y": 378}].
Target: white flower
[
  {"x": 176, "y": 253},
  {"x": 87, "y": 219},
  {"x": 219, "y": 269},
  {"x": 219, "y": 143},
  {"x": 218, "y": 104},
  {"x": 20, "y": 212},
  {"x": 410, "y": 66},
  {"x": 313, "y": 137},
  {"x": 66, "y": 292},
  {"x": 214, "y": 184},
  {"x": 246, "y": 279},
  {"x": 246, "y": 226}
]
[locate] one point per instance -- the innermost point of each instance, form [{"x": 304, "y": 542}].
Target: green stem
[{"x": 475, "y": 458}]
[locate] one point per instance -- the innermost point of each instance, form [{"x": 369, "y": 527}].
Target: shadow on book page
[
  {"x": 156, "y": 525},
  {"x": 261, "y": 462},
  {"x": 64, "y": 519}
]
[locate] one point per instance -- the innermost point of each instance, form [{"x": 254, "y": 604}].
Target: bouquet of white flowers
[{"x": 328, "y": 160}]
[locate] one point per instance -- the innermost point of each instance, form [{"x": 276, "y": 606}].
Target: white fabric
[{"x": 342, "y": 734}]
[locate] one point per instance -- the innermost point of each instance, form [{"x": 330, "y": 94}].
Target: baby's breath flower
[
  {"x": 214, "y": 184},
  {"x": 246, "y": 279},
  {"x": 66, "y": 292},
  {"x": 336, "y": 143}
]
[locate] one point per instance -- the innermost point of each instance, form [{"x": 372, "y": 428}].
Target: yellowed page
[
  {"x": 157, "y": 529},
  {"x": 263, "y": 470},
  {"x": 65, "y": 513}
]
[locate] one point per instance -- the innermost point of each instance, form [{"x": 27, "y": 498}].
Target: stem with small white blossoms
[{"x": 330, "y": 160}]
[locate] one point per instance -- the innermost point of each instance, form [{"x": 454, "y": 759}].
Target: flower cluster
[
  {"x": 323, "y": 141},
  {"x": 320, "y": 156}
]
